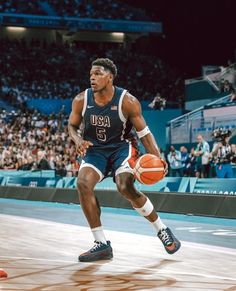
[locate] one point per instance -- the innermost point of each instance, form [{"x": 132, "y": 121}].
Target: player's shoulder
[
  {"x": 130, "y": 105},
  {"x": 79, "y": 97},
  {"x": 78, "y": 102},
  {"x": 130, "y": 99}
]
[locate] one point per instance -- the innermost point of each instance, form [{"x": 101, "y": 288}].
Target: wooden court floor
[{"x": 42, "y": 255}]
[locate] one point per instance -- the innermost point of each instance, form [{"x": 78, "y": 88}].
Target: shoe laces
[
  {"x": 166, "y": 237},
  {"x": 97, "y": 244}
]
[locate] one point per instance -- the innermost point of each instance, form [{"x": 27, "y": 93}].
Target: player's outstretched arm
[
  {"x": 132, "y": 109},
  {"x": 74, "y": 123}
]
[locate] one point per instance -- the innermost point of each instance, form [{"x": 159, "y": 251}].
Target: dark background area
[{"x": 196, "y": 33}]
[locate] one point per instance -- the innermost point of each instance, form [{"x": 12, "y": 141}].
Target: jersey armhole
[
  {"x": 121, "y": 115},
  {"x": 85, "y": 102}
]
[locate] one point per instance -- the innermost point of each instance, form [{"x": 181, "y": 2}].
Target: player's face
[{"x": 100, "y": 78}]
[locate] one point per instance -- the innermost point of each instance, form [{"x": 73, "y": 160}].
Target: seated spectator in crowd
[
  {"x": 202, "y": 152},
  {"x": 42, "y": 162},
  {"x": 158, "y": 103},
  {"x": 26, "y": 164},
  {"x": 227, "y": 87},
  {"x": 175, "y": 162},
  {"x": 61, "y": 168}
]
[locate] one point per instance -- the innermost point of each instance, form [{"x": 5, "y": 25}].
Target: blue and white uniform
[{"x": 111, "y": 134}]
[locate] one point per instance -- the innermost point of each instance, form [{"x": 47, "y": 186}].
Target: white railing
[
  {"x": 228, "y": 73},
  {"x": 183, "y": 129}
]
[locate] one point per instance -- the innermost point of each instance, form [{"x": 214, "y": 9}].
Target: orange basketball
[{"x": 149, "y": 169}]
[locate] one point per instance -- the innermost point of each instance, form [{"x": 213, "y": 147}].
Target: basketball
[{"x": 149, "y": 169}]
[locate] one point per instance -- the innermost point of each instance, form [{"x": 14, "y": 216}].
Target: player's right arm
[{"x": 74, "y": 123}]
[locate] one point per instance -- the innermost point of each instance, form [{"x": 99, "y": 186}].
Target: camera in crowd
[
  {"x": 220, "y": 134},
  {"x": 225, "y": 154}
]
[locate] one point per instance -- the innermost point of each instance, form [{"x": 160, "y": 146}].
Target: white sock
[
  {"x": 98, "y": 234},
  {"x": 158, "y": 224}
]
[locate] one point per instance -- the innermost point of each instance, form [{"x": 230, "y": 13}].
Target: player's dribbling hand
[{"x": 82, "y": 147}]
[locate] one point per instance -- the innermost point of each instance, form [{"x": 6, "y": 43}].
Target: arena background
[{"x": 183, "y": 51}]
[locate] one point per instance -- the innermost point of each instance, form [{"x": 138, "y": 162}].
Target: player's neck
[{"x": 104, "y": 96}]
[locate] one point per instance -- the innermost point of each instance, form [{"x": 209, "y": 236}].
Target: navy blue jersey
[{"x": 105, "y": 126}]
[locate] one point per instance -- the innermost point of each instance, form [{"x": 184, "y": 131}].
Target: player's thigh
[{"x": 96, "y": 162}]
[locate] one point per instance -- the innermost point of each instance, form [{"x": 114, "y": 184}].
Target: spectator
[
  {"x": 27, "y": 165},
  {"x": 42, "y": 162},
  {"x": 222, "y": 154},
  {"x": 158, "y": 102},
  {"x": 227, "y": 87},
  {"x": 61, "y": 168},
  {"x": 175, "y": 162},
  {"x": 202, "y": 152}
]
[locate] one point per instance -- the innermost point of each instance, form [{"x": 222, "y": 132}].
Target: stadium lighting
[
  {"x": 118, "y": 34},
  {"x": 16, "y": 28}
]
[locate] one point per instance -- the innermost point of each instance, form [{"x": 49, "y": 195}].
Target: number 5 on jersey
[{"x": 101, "y": 133}]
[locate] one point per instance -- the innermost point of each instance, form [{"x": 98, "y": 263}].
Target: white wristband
[{"x": 143, "y": 132}]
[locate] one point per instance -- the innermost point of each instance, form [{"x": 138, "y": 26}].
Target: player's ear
[{"x": 111, "y": 77}]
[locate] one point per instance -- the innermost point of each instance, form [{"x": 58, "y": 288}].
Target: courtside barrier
[
  {"x": 213, "y": 197},
  {"x": 185, "y": 203}
]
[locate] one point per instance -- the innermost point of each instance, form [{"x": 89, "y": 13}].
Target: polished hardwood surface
[{"x": 42, "y": 255}]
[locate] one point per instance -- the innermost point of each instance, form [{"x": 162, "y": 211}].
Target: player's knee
[
  {"x": 83, "y": 186},
  {"x": 122, "y": 188},
  {"x": 126, "y": 188}
]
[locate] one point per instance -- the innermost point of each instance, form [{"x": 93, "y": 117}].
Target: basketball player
[{"x": 100, "y": 124}]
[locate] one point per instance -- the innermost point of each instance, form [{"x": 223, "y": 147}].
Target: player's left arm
[{"x": 132, "y": 110}]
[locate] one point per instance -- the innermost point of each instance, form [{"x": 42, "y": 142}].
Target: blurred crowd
[
  {"x": 106, "y": 9},
  {"x": 202, "y": 161},
  {"x": 43, "y": 70},
  {"x": 21, "y": 6},
  {"x": 32, "y": 141}
]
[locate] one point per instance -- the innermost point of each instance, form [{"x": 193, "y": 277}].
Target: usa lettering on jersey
[{"x": 99, "y": 120}]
